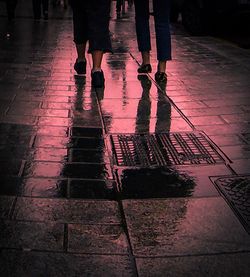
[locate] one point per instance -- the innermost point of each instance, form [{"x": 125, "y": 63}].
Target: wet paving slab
[
  {"x": 207, "y": 265},
  {"x": 67, "y": 211},
  {"x": 30, "y": 263},
  {"x": 183, "y": 227},
  {"x": 32, "y": 235}
]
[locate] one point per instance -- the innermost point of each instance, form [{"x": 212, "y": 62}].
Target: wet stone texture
[
  {"x": 32, "y": 235},
  {"x": 55, "y": 264},
  {"x": 67, "y": 211},
  {"x": 183, "y": 227},
  {"x": 101, "y": 239},
  {"x": 236, "y": 265},
  {"x": 5, "y": 206}
]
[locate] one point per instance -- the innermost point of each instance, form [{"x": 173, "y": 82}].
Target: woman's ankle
[{"x": 161, "y": 67}]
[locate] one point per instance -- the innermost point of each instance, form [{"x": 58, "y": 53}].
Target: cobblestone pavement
[{"x": 137, "y": 179}]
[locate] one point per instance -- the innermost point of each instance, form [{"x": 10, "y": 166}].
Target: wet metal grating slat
[
  {"x": 236, "y": 190},
  {"x": 150, "y": 150}
]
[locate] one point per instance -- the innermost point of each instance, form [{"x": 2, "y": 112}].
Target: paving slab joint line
[
  {"x": 194, "y": 255},
  {"x": 125, "y": 227},
  {"x": 65, "y": 237}
]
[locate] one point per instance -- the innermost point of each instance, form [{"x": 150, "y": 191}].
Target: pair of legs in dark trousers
[
  {"x": 40, "y": 6},
  {"x": 11, "y": 8},
  {"x": 91, "y": 24},
  {"x": 161, "y": 10}
]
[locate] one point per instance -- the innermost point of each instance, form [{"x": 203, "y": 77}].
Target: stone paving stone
[
  {"x": 213, "y": 111},
  {"x": 23, "y": 106},
  {"x": 200, "y": 175},
  {"x": 92, "y": 189},
  {"x": 205, "y": 120},
  {"x": 7, "y": 152},
  {"x": 241, "y": 166},
  {"x": 11, "y": 167},
  {"x": 227, "y": 140},
  {"x": 237, "y": 152},
  {"x": 51, "y": 142},
  {"x": 6, "y": 203},
  {"x": 43, "y": 187},
  {"x": 128, "y": 125},
  {"x": 87, "y": 156},
  {"x": 226, "y": 129},
  {"x": 17, "y": 119},
  {"x": 53, "y": 131},
  {"x": 183, "y": 227},
  {"x": 48, "y": 154},
  {"x": 11, "y": 185},
  {"x": 53, "y": 121},
  {"x": 67, "y": 211},
  {"x": 236, "y": 265},
  {"x": 97, "y": 239},
  {"x": 29, "y": 264},
  {"x": 31, "y": 235}
]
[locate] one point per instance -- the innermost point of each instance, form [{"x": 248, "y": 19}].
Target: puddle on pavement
[{"x": 164, "y": 182}]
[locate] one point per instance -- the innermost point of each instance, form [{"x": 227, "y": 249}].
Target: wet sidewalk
[{"x": 136, "y": 179}]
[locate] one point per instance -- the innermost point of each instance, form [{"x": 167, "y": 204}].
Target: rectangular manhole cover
[
  {"x": 153, "y": 150},
  {"x": 236, "y": 191}
]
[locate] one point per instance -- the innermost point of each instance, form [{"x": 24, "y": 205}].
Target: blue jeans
[{"x": 162, "y": 27}]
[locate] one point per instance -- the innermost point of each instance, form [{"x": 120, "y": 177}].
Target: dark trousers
[
  {"x": 91, "y": 23},
  {"x": 11, "y": 8},
  {"x": 161, "y": 10},
  {"x": 40, "y": 6}
]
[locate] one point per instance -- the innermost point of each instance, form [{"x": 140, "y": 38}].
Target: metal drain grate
[
  {"x": 150, "y": 150},
  {"x": 236, "y": 190}
]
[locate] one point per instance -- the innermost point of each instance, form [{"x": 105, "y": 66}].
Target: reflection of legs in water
[
  {"x": 144, "y": 106},
  {"x": 130, "y": 3},
  {"x": 118, "y": 8},
  {"x": 80, "y": 82},
  {"x": 163, "y": 111}
]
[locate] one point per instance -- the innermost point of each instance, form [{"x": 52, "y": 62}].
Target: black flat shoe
[
  {"x": 160, "y": 77},
  {"x": 80, "y": 67},
  {"x": 144, "y": 68}
]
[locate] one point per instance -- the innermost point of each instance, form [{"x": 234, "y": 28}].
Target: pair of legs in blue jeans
[{"x": 161, "y": 10}]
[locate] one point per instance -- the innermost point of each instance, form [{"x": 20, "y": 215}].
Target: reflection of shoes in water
[
  {"x": 145, "y": 82},
  {"x": 97, "y": 79},
  {"x": 160, "y": 77},
  {"x": 99, "y": 93},
  {"x": 80, "y": 67},
  {"x": 144, "y": 68}
]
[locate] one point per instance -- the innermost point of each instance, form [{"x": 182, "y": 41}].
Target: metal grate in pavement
[
  {"x": 159, "y": 149},
  {"x": 236, "y": 190}
]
